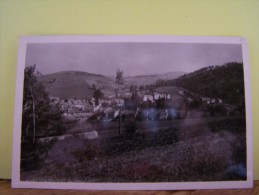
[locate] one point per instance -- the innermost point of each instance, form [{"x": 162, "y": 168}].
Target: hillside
[
  {"x": 225, "y": 82},
  {"x": 75, "y": 84},
  {"x": 151, "y": 79}
]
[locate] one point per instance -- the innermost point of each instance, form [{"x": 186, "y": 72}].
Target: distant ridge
[
  {"x": 76, "y": 73},
  {"x": 151, "y": 79},
  {"x": 79, "y": 84}
]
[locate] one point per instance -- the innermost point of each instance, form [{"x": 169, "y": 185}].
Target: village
[{"x": 144, "y": 105}]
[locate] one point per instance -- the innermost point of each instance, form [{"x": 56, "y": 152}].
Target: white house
[{"x": 148, "y": 97}]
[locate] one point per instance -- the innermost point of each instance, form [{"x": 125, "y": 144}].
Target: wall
[{"x": 119, "y": 17}]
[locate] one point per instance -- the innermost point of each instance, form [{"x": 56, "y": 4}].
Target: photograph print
[{"x": 132, "y": 113}]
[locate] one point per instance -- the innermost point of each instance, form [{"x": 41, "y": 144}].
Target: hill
[
  {"x": 76, "y": 84},
  {"x": 150, "y": 79},
  {"x": 225, "y": 82}
]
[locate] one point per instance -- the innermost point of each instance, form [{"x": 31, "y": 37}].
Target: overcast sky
[{"x": 132, "y": 58}]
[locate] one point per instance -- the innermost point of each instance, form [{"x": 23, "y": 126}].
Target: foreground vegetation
[{"x": 184, "y": 154}]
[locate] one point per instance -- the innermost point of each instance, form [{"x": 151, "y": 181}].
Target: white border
[{"x": 16, "y": 183}]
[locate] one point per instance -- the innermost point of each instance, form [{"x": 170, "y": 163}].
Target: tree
[
  {"x": 119, "y": 81},
  {"x": 39, "y": 117},
  {"x": 119, "y": 77},
  {"x": 98, "y": 94}
]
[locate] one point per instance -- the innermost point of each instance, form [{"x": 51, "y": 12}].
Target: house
[
  {"x": 148, "y": 97},
  {"x": 181, "y": 92},
  {"x": 94, "y": 108},
  {"x": 161, "y": 95}
]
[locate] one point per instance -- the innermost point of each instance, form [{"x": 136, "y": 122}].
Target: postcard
[{"x": 132, "y": 113}]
